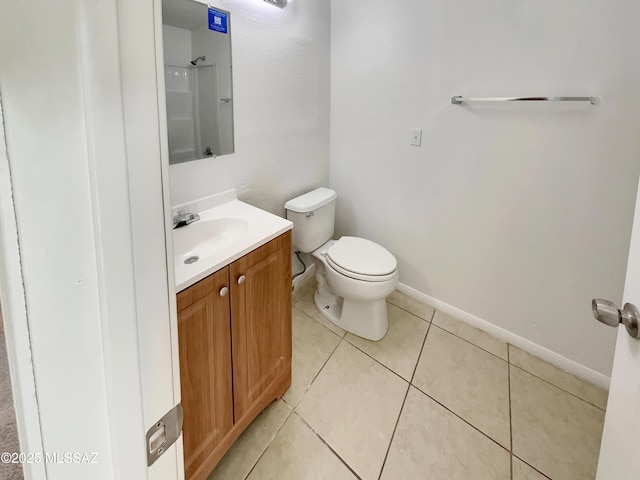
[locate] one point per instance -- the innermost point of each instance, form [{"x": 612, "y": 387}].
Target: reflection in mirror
[{"x": 198, "y": 84}]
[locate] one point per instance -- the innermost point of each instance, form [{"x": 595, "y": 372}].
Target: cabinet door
[
  {"x": 205, "y": 367},
  {"x": 261, "y": 321}
]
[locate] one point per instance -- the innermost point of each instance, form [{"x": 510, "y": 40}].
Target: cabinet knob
[
  {"x": 241, "y": 279},
  {"x": 224, "y": 291}
]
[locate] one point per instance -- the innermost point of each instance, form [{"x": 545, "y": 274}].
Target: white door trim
[
  {"x": 16, "y": 325},
  {"x": 140, "y": 33},
  {"x": 104, "y": 349}
]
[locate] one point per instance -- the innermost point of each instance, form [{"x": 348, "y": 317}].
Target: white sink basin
[
  {"x": 227, "y": 230},
  {"x": 204, "y": 237}
]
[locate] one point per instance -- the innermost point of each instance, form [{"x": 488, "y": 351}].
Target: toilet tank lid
[{"x": 311, "y": 200}]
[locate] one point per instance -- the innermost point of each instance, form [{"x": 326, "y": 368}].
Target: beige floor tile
[
  {"x": 431, "y": 442},
  {"x": 400, "y": 348},
  {"x": 246, "y": 450},
  {"x": 353, "y": 405},
  {"x": 469, "y": 381},
  {"x": 298, "y": 454},
  {"x": 411, "y": 305},
  {"x": 312, "y": 345},
  {"x": 471, "y": 334},
  {"x": 307, "y": 305},
  {"x": 553, "y": 431},
  {"x": 522, "y": 471},
  {"x": 569, "y": 383}
]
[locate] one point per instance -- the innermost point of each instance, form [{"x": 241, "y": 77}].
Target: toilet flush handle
[{"x": 309, "y": 215}]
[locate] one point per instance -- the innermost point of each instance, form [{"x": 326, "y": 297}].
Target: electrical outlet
[{"x": 416, "y": 137}]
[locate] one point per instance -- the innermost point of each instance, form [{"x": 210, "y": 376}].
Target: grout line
[
  {"x": 475, "y": 345},
  {"x": 464, "y": 420},
  {"x": 508, "y": 354},
  {"x": 508, "y": 357},
  {"x": 559, "y": 388},
  {"x": 529, "y": 465},
  {"x": 510, "y": 413},
  {"x": 292, "y": 410},
  {"x": 393, "y": 434},
  {"x": 447, "y": 408},
  {"x": 321, "y": 368},
  {"x": 293, "y": 407},
  {"x": 388, "y": 368},
  {"x": 412, "y": 313},
  {"x": 367, "y": 354},
  {"x": 328, "y": 446},
  {"x": 430, "y": 323},
  {"x": 322, "y": 324},
  {"x": 378, "y": 361},
  {"x": 424, "y": 342},
  {"x": 273, "y": 437}
]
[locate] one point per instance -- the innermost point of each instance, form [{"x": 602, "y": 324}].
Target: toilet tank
[{"x": 313, "y": 215}]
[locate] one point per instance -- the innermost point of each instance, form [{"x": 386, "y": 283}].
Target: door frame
[
  {"x": 14, "y": 317},
  {"x": 127, "y": 166}
]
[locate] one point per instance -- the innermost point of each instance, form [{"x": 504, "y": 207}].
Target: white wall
[
  {"x": 518, "y": 214},
  {"x": 281, "y": 107},
  {"x": 60, "y": 270},
  {"x": 177, "y": 46}
]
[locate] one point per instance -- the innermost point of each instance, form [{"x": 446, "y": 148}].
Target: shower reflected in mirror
[{"x": 198, "y": 80}]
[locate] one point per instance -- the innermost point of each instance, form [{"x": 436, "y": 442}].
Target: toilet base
[{"x": 352, "y": 315}]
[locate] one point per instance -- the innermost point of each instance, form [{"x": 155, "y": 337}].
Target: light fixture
[{"x": 277, "y": 3}]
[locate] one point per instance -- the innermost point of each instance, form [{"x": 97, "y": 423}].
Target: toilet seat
[{"x": 361, "y": 259}]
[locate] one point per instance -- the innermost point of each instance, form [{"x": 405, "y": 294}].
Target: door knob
[
  {"x": 241, "y": 279},
  {"x": 608, "y": 313},
  {"x": 224, "y": 291}
]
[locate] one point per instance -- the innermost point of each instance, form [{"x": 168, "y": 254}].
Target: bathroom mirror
[{"x": 198, "y": 80}]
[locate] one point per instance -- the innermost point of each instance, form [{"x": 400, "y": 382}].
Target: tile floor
[{"x": 434, "y": 399}]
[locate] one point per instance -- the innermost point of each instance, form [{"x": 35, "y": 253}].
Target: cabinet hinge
[{"x": 164, "y": 434}]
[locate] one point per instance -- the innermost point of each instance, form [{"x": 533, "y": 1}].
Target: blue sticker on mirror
[{"x": 217, "y": 20}]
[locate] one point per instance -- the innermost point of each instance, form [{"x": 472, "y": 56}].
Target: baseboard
[
  {"x": 303, "y": 283},
  {"x": 550, "y": 356}
]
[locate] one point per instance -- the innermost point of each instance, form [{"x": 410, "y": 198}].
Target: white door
[
  {"x": 619, "y": 459},
  {"x": 82, "y": 159}
]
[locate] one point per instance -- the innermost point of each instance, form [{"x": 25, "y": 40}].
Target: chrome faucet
[{"x": 181, "y": 219}]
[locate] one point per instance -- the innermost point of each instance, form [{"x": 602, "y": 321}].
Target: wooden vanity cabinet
[{"x": 234, "y": 334}]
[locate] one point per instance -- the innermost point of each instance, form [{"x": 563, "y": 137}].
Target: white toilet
[{"x": 354, "y": 275}]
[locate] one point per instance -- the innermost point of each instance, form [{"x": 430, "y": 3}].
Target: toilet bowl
[
  {"x": 349, "y": 294},
  {"x": 355, "y": 275}
]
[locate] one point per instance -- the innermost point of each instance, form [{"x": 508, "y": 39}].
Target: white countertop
[{"x": 260, "y": 228}]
